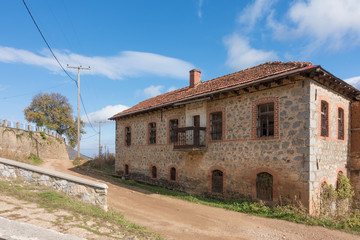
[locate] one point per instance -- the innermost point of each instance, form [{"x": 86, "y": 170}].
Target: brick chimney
[{"x": 195, "y": 77}]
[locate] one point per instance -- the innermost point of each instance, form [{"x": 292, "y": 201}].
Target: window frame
[
  {"x": 152, "y": 133},
  {"x": 171, "y": 174},
  {"x": 269, "y": 117},
  {"x": 152, "y": 172},
  {"x": 216, "y": 126},
  {"x": 173, "y": 135},
  {"x": 210, "y": 181},
  {"x": 127, "y": 136},
  {"x": 324, "y": 119},
  {"x": 341, "y": 123}
]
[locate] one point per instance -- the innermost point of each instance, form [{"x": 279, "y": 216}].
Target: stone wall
[
  {"x": 296, "y": 157},
  {"x": 19, "y": 144},
  {"x": 86, "y": 190},
  {"x": 328, "y": 155},
  {"x": 240, "y": 155}
]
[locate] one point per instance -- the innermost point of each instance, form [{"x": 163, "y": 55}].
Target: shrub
[
  {"x": 105, "y": 162},
  {"x": 336, "y": 202},
  {"x": 43, "y": 136}
]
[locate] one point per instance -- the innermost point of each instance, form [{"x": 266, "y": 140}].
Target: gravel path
[{"x": 178, "y": 219}]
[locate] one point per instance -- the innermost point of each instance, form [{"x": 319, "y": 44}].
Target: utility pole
[
  {"x": 100, "y": 136},
  {"x": 78, "y": 106}
]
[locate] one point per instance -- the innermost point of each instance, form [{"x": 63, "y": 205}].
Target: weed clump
[{"x": 34, "y": 160}]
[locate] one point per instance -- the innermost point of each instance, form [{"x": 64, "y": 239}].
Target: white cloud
[
  {"x": 241, "y": 55},
  {"x": 104, "y": 113},
  {"x": 333, "y": 23},
  {"x": 172, "y": 88},
  {"x": 12, "y": 55},
  {"x": 254, "y": 12},
  {"x": 355, "y": 81},
  {"x": 124, "y": 64},
  {"x": 200, "y": 8},
  {"x": 153, "y": 91}
]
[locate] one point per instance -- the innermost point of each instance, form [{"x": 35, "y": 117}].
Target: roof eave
[{"x": 231, "y": 88}]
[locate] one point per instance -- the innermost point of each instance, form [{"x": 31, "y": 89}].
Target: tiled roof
[{"x": 237, "y": 78}]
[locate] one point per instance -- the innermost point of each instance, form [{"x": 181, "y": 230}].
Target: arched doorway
[
  {"x": 217, "y": 181},
  {"x": 264, "y": 186}
]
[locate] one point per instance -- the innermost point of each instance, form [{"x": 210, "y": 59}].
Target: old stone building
[{"x": 273, "y": 132}]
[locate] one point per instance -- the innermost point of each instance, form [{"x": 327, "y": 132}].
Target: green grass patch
[
  {"x": 78, "y": 161},
  {"x": 34, "y": 160}
]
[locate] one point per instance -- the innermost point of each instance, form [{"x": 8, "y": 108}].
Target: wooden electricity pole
[
  {"x": 78, "y": 106},
  {"x": 100, "y": 136}
]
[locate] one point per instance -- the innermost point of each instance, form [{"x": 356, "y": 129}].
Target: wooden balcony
[{"x": 190, "y": 139}]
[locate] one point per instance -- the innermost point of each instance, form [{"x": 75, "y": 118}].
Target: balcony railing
[{"x": 190, "y": 138}]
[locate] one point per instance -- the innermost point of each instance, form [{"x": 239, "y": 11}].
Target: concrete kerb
[{"x": 98, "y": 188}]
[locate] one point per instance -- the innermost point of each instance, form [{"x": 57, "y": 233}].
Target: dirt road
[{"x": 178, "y": 219}]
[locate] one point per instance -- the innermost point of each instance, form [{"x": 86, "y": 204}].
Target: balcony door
[{"x": 196, "y": 121}]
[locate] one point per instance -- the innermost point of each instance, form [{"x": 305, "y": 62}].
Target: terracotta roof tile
[{"x": 244, "y": 76}]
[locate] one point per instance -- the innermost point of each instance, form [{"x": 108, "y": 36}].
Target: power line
[
  {"x": 47, "y": 44},
  {"x": 89, "y": 137},
  {"x": 57, "y": 60},
  {"x": 82, "y": 103}
]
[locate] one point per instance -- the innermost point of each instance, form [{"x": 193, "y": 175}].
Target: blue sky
[{"x": 138, "y": 49}]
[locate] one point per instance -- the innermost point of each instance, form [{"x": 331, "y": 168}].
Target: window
[
  {"x": 196, "y": 121},
  {"x": 265, "y": 126},
  {"x": 216, "y": 125},
  {"x": 339, "y": 177},
  {"x": 324, "y": 119},
  {"x": 128, "y": 136},
  {"x": 173, "y": 133},
  {"x": 153, "y": 172},
  {"x": 264, "y": 186},
  {"x": 126, "y": 169},
  {"x": 173, "y": 174},
  {"x": 217, "y": 181},
  {"x": 152, "y": 133},
  {"x": 341, "y": 124}
]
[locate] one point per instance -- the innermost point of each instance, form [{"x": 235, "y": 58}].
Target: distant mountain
[{"x": 73, "y": 153}]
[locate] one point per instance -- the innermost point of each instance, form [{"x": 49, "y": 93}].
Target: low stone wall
[{"x": 86, "y": 190}]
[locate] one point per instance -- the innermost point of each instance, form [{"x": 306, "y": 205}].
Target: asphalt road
[{"x": 13, "y": 230}]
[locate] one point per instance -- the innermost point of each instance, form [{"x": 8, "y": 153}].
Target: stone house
[{"x": 273, "y": 132}]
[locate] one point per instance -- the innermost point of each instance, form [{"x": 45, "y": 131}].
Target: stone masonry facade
[
  {"x": 296, "y": 156},
  {"x": 328, "y": 155},
  {"x": 274, "y": 132}
]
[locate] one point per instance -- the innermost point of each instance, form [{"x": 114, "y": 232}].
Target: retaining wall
[
  {"x": 84, "y": 189},
  {"x": 17, "y": 143}
]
